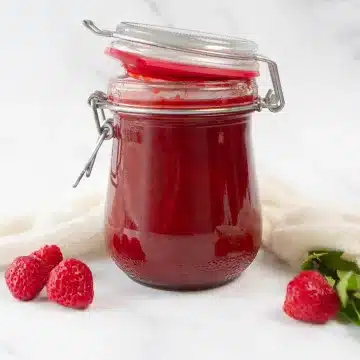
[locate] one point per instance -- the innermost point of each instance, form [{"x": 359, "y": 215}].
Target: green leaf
[
  {"x": 353, "y": 281},
  {"x": 342, "y": 287},
  {"x": 317, "y": 254},
  {"x": 328, "y": 262},
  {"x": 356, "y": 295},
  {"x": 331, "y": 281},
  {"x": 353, "y": 303},
  {"x": 348, "y": 315},
  {"x": 312, "y": 260},
  {"x": 338, "y": 263},
  {"x": 326, "y": 251},
  {"x": 351, "y": 312},
  {"x": 343, "y": 318}
]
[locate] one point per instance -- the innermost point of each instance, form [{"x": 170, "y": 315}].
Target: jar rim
[
  {"x": 155, "y": 93},
  {"x": 140, "y": 82}
]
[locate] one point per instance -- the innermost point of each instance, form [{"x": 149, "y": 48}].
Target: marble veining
[{"x": 154, "y": 7}]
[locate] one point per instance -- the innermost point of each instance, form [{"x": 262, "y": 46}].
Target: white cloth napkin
[
  {"x": 291, "y": 226},
  {"x": 75, "y": 224}
]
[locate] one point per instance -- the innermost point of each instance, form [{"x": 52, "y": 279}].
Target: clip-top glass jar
[{"x": 182, "y": 206}]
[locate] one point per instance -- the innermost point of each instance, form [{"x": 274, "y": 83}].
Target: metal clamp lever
[
  {"x": 274, "y": 99},
  {"x": 105, "y": 130}
]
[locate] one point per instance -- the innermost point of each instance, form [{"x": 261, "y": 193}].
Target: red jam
[{"x": 182, "y": 207}]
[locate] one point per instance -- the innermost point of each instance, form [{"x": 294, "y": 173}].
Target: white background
[{"x": 49, "y": 65}]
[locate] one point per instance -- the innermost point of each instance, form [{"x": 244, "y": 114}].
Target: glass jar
[{"x": 182, "y": 206}]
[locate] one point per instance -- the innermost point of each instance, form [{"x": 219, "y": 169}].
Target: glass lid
[
  {"x": 187, "y": 40},
  {"x": 191, "y": 49}
]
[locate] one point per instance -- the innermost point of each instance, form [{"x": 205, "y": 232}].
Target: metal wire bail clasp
[
  {"x": 274, "y": 99},
  {"x": 104, "y": 128}
]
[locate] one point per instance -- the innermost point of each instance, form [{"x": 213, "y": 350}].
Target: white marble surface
[
  {"x": 49, "y": 65},
  {"x": 129, "y": 321}
]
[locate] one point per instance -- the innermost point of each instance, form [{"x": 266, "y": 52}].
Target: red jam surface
[
  {"x": 159, "y": 69},
  {"x": 182, "y": 206}
]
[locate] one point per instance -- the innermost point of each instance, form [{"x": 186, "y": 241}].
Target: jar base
[{"x": 184, "y": 288}]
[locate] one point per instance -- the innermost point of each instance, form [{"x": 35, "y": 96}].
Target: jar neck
[{"x": 151, "y": 93}]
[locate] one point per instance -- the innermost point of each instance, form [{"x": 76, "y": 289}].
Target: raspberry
[
  {"x": 71, "y": 284},
  {"x": 310, "y": 298},
  {"x": 50, "y": 255},
  {"x": 25, "y": 278}
]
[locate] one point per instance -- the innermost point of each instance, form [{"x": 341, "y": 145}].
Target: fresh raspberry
[
  {"x": 71, "y": 284},
  {"x": 310, "y": 298},
  {"x": 25, "y": 277},
  {"x": 50, "y": 255}
]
